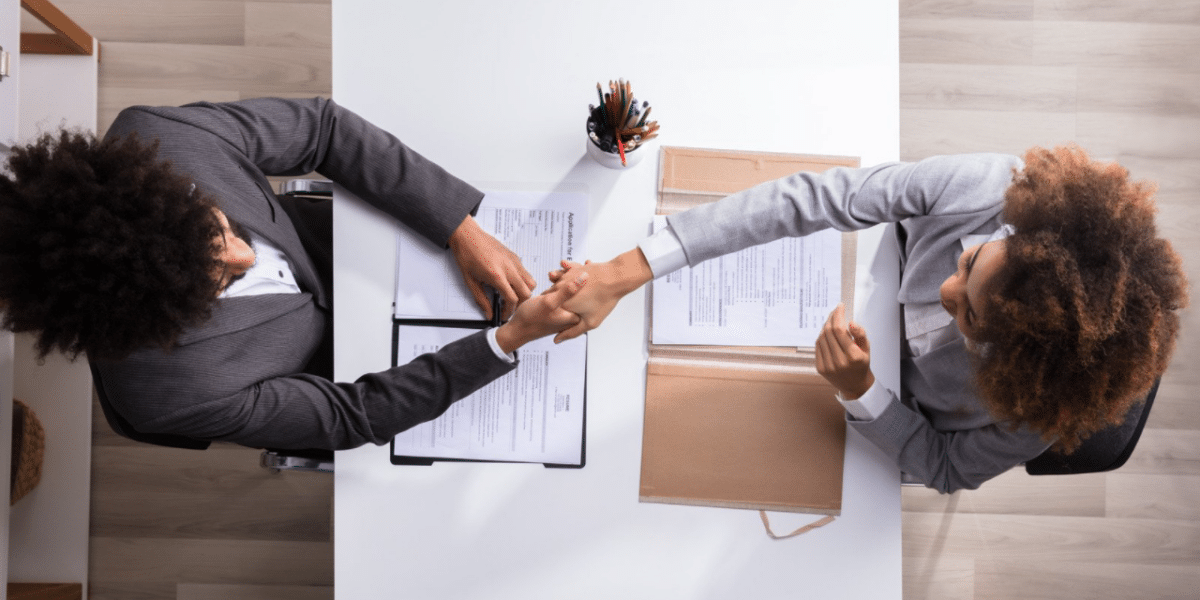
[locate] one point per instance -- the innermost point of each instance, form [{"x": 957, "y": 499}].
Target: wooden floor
[{"x": 1120, "y": 77}]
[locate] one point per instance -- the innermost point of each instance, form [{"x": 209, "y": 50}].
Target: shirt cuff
[
  {"x": 491, "y": 338},
  {"x": 870, "y": 405},
  {"x": 664, "y": 252}
]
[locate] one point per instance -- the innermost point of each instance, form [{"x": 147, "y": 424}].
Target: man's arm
[
  {"x": 227, "y": 386},
  {"x": 290, "y": 137}
]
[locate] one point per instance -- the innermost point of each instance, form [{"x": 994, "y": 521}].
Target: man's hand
[
  {"x": 541, "y": 315},
  {"x": 610, "y": 281},
  {"x": 844, "y": 355},
  {"x": 484, "y": 260}
]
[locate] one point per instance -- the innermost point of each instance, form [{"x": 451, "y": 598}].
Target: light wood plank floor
[{"x": 1120, "y": 77}]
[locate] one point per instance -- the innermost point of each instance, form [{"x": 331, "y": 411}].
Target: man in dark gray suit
[{"x": 204, "y": 301}]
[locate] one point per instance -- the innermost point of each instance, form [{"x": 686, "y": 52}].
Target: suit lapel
[{"x": 244, "y": 312}]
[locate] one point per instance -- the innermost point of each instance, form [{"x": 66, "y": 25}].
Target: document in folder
[
  {"x": 540, "y": 227},
  {"x": 737, "y": 416},
  {"x": 535, "y": 413},
  {"x": 775, "y": 294}
]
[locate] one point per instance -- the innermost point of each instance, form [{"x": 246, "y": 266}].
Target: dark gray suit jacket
[
  {"x": 936, "y": 427},
  {"x": 240, "y": 376}
]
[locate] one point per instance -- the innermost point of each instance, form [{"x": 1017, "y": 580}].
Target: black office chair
[{"x": 1105, "y": 450}]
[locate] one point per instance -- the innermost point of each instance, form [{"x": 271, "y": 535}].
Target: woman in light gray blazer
[{"x": 1039, "y": 301}]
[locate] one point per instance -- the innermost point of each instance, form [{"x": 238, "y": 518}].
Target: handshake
[
  {"x": 580, "y": 299},
  {"x": 578, "y": 302}
]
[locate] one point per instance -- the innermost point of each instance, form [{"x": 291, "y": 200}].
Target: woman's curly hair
[
  {"x": 104, "y": 249},
  {"x": 1082, "y": 315}
]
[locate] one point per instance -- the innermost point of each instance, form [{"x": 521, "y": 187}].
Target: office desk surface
[{"x": 498, "y": 93}]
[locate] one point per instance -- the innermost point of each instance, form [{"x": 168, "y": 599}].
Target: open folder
[
  {"x": 536, "y": 413},
  {"x": 753, "y": 425}
]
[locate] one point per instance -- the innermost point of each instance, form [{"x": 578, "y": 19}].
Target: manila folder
[{"x": 742, "y": 438}]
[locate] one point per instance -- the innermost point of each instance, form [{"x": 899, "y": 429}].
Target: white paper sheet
[
  {"x": 533, "y": 414},
  {"x": 541, "y": 227},
  {"x": 775, "y": 294}
]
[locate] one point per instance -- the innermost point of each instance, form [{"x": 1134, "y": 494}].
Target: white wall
[
  {"x": 6, "y": 395},
  {"x": 10, "y": 35},
  {"x": 57, "y": 91},
  {"x": 10, "y": 39},
  {"x": 48, "y": 529}
]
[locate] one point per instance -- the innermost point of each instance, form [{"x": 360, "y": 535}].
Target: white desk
[{"x": 497, "y": 92}]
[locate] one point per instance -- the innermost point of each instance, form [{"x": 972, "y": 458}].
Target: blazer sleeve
[
  {"x": 843, "y": 199},
  {"x": 248, "y": 388},
  {"x": 283, "y": 136},
  {"x": 948, "y": 461},
  {"x": 306, "y": 411}
]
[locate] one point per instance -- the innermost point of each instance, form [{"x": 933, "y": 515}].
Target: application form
[
  {"x": 532, "y": 414},
  {"x": 536, "y": 412},
  {"x": 541, "y": 228},
  {"x": 774, "y": 294}
]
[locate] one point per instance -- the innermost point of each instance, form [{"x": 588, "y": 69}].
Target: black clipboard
[{"x": 426, "y": 461}]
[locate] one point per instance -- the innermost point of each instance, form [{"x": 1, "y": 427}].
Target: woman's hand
[
  {"x": 610, "y": 281},
  {"x": 484, "y": 260},
  {"x": 541, "y": 315},
  {"x": 844, "y": 355}
]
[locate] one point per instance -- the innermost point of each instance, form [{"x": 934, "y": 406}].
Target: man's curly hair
[
  {"x": 104, "y": 249},
  {"x": 1082, "y": 314}
]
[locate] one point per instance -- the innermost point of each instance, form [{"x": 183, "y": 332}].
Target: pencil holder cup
[
  {"x": 618, "y": 126},
  {"x": 612, "y": 160}
]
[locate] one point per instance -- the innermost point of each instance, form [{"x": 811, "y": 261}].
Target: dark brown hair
[
  {"x": 1082, "y": 315},
  {"x": 104, "y": 249}
]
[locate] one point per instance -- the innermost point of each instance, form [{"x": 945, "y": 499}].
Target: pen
[
  {"x": 645, "y": 115},
  {"x": 631, "y": 115}
]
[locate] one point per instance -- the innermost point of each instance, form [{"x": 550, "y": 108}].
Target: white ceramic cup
[{"x": 612, "y": 160}]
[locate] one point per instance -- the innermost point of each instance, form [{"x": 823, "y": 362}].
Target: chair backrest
[
  {"x": 1105, "y": 450},
  {"x": 125, "y": 429}
]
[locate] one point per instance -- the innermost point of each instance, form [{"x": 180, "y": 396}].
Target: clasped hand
[
  {"x": 611, "y": 281},
  {"x": 483, "y": 259},
  {"x": 581, "y": 297}
]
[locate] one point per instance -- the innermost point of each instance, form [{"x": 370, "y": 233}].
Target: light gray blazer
[
  {"x": 239, "y": 376},
  {"x": 936, "y": 427}
]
